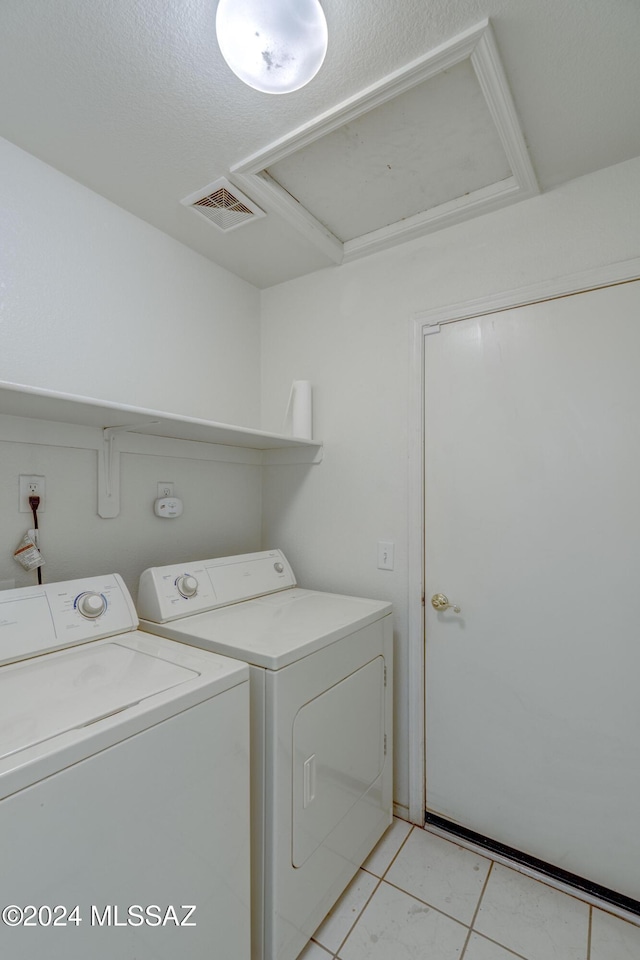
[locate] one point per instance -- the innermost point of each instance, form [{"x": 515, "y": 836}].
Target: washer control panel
[
  {"x": 167, "y": 593},
  {"x": 51, "y": 616}
]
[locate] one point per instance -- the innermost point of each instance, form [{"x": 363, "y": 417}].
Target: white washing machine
[
  {"x": 124, "y": 784},
  {"x": 321, "y": 713}
]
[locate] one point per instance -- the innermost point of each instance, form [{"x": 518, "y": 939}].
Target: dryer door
[{"x": 338, "y": 754}]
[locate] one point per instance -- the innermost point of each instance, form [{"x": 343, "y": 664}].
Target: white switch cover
[{"x": 385, "y": 554}]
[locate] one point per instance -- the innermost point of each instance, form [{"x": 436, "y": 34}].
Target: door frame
[{"x": 425, "y": 323}]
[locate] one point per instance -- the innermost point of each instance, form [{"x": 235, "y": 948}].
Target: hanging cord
[{"x": 34, "y": 503}]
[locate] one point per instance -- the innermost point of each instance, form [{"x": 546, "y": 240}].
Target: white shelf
[
  {"x": 116, "y": 419},
  {"x": 22, "y": 401}
]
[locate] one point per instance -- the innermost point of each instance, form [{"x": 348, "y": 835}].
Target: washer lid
[
  {"x": 275, "y": 630},
  {"x": 60, "y": 708},
  {"x": 47, "y": 696}
]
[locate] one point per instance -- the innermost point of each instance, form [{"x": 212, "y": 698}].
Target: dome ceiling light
[{"x": 275, "y": 46}]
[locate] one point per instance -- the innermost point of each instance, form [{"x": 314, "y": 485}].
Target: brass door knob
[{"x": 439, "y": 602}]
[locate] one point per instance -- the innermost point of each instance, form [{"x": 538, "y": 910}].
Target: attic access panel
[{"x": 434, "y": 143}]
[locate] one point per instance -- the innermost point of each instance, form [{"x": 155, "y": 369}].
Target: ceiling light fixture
[{"x": 275, "y": 46}]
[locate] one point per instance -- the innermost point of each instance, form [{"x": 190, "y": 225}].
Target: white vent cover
[{"x": 223, "y": 205}]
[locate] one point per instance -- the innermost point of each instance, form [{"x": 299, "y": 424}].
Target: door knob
[{"x": 439, "y": 602}]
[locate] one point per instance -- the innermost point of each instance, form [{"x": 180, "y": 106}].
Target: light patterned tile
[
  {"x": 480, "y": 949},
  {"x": 382, "y": 855},
  {"x": 313, "y": 952},
  {"x": 533, "y": 919},
  {"x": 396, "y": 926},
  {"x": 441, "y": 873},
  {"x": 346, "y": 911},
  {"x": 613, "y": 938}
]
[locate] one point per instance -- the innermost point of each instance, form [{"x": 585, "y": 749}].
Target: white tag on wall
[{"x": 27, "y": 553}]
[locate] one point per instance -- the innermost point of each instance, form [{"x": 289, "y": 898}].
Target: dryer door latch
[{"x": 309, "y": 774}]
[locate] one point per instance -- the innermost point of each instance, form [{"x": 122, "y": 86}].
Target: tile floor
[{"x": 419, "y": 896}]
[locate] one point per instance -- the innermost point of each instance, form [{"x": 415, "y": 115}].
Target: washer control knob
[
  {"x": 278, "y": 567},
  {"x": 187, "y": 586},
  {"x": 91, "y": 605}
]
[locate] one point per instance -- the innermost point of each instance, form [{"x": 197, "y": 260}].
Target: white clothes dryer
[
  {"x": 321, "y": 714},
  {"x": 124, "y": 784}
]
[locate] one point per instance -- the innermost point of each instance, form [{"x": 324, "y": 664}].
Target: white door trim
[{"x": 424, "y": 323}]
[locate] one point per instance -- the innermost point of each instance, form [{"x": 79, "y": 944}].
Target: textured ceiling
[{"x": 133, "y": 99}]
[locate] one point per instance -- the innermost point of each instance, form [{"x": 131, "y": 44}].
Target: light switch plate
[{"x": 385, "y": 554}]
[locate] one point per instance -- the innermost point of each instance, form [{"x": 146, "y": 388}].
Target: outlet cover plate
[{"x": 27, "y": 484}]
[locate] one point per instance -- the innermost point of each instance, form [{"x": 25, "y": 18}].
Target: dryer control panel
[
  {"x": 167, "y": 593},
  {"x": 51, "y": 616}
]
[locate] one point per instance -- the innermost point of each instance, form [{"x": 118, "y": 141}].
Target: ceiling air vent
[{"x": 223, "y": 205}]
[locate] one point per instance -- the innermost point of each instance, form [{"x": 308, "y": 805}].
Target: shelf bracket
[
  {"x": 109, "y": 468},
  {"x": 312, "y": 453}
]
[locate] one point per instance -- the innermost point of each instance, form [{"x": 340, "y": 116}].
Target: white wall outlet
[
  {"x": 31, "y": 486},
  {"x": 165, "y": 489},
  {"x": 385, "y": 554}
]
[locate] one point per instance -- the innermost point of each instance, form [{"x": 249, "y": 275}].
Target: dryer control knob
[
  {"x": 278, "y": 567},
  {"x": 187, "y": 586},
  {"x": 91, "y": 605}
]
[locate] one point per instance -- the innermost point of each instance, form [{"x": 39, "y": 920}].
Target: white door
[{"x": 532, "y": 482}]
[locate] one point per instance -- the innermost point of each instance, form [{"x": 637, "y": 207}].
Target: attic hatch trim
[
  {"x": 477, "y": 44},
  {"x": 223, "y": 205}
]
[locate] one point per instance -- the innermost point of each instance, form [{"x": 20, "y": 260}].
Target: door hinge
[
  {"x": 385, "y": 675},
  {"x": 432, "y": 328},
  {"x": 385, "y": 744}
]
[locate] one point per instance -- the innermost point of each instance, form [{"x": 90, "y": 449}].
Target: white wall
[
  {"x": 348, "y": 331},
  {"x": 96, "y": 302},
  {"x": 221, "y": 513}
]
